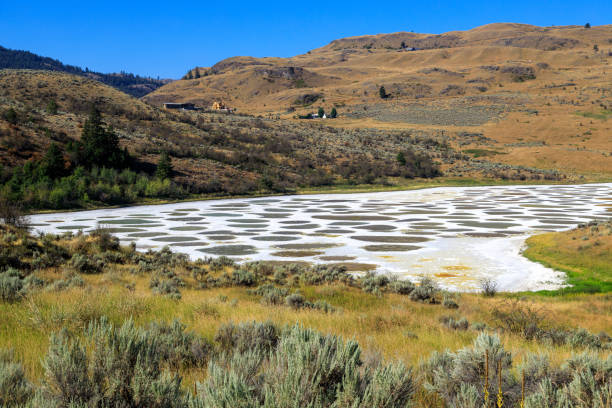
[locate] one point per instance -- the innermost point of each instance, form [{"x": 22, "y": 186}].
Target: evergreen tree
[
  {"x": 334, "y": 113},
  {"x": 321, "y": 112},
  {"x": 100, "y": 146},
  {"x": 382, "y": 92},
  {"x": 587, "y": 25},
  {"x": 53, "y": 164},
  {"x": 197, "y": 72},
  {"x": 401, "y": 158},
  {"x": 52, "y": 107},
  {"x": 10, "y": 116},
  {"x": 164, "y": 166}
]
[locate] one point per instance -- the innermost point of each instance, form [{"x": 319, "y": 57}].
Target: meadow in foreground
[{"x": 86, "y": 322}]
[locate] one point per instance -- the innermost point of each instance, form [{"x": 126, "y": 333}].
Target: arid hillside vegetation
[
  {"x": 515, "y": 93},
  {"x": 210, "y": 153}
]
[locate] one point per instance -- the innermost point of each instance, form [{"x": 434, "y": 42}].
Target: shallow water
[{"x": 456, "y": 235}]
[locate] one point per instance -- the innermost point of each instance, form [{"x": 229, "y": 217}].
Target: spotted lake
[{"x": 457, "y": 235}]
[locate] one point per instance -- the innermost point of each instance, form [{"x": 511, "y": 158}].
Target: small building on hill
[
  {"x": 221, "y": 107},
  {"x": 183, "y": 106}
]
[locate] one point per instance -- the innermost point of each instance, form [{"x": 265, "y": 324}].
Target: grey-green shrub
[
  {"x": 455, "y": 324},
  {"x": 179, "y": 348},
  {"x": 373, "y": 282},
  {"x": 449, "y": 302},
  {"x": 32, "y": 282},
  {"x": 271, "y": 295},
  {"x": 15, "y": 389},
  {"x": 120, "y": 366},
  {"x": 69, "y": 281},
  {"x": 589, "y": 385},
  {"x": 305, "y": 369},
  {"x": 402, "y": 287},
  {"x": 427, "y": 291},
  {"x": 166, "y": 282},
  {"x": 11, "y": 286},
  {"x": 86, "y": 264},
  {"x": 295, "y": 301},
  {"x": 446, "y": 372},
  {"x": 247, "y": 336},
  {"x": 467, "y": 397},
  {"x": 390, "y": 386},
  {"x": 242, "y": 277}
]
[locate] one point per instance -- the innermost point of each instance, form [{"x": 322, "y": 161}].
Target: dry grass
[{"x": 391, "y": 325}]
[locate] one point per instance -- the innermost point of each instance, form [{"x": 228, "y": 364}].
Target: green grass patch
[
  {"x": 588, "y": 267},
  {"x": 482, "y": 152},
  {"x": 604, "y": 114}
]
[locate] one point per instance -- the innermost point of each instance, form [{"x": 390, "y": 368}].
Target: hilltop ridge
[{"x": 131, "y": 84}]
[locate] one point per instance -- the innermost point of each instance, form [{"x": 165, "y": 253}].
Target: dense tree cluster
[{"x": 95, "y": 169}]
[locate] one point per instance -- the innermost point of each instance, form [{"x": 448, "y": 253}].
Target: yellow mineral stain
[
  {"x": 457, "y": 268},
  {"x": 446, "y": 275}
]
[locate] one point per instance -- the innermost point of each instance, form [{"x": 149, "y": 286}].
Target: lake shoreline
[{"x": 339, "y": 190}]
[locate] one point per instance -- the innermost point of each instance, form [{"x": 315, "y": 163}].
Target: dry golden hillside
[{"x": 518, "y": 94}]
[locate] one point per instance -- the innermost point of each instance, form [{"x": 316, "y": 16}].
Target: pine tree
[
  {"x": 197, "y": 72},
  {"x": 53, "y": 164},
  {"x": 100, "y": 146},
  {"x": 321, "y": 112},
  {"x": 164, "y": 166},
  {"x": 334, "y": 113},
  {"x": 382, "y": 92},
  {"x": 401, "y": 158}
]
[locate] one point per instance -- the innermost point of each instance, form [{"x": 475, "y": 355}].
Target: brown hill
[{"x": 539, "y": 96}]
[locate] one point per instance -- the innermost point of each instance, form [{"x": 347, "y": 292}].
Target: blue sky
[{"x": 167, "y": 38}]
